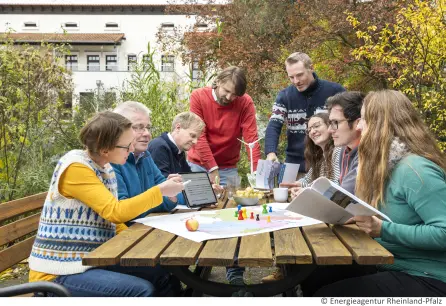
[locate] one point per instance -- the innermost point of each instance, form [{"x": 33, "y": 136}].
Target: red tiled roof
[{"x": 76, "y": 38}]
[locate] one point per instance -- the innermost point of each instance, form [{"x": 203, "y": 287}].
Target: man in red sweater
[{"x": 228, "y": 113}]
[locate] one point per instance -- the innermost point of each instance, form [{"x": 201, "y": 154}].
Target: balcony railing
[{"x": 105, "y": 68}]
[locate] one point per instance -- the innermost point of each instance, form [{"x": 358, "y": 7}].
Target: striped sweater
[
  {"x": 69, "y": 229},
  {"x": 306, "y": 180}
]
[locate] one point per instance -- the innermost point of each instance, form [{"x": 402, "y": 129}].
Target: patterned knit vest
[{"x": 69, "y": 229}]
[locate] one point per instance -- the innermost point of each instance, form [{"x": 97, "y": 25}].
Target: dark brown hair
[
  {"x": 351, "y": 103},
  {"x": 314, "y": 155},
  {"x": 102, "y": 132},
  {"x": 234, "y": 74}
]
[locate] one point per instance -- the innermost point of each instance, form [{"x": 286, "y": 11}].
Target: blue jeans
[
  {"x": 231, "y": 272},
  {"x": 224, "y": 173},
  {"x": 118, "y": 281}
]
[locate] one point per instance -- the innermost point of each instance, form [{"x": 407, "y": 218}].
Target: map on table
[{"x": 219, "y": 224}]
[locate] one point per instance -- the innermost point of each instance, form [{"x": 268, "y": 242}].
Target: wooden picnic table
[{"x": 299, "y": 250}]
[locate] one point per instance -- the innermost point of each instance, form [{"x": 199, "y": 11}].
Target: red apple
[{"x": 191, "y": 225}]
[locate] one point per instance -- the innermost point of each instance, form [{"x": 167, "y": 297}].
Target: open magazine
[{"x": 328, "y": 202}]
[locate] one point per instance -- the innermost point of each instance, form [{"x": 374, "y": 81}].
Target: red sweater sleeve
[
  {"x": 249, "y": 131},
  {"x": 202, "y": 146}
]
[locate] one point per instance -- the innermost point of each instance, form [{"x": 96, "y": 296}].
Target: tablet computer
[{"x": 199, "y": 191}]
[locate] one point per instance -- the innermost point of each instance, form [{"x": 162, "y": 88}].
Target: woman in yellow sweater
[{"x": 80, "y": 213}]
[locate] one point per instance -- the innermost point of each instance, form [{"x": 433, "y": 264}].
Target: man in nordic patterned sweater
[{"x": 294, "y": 105}]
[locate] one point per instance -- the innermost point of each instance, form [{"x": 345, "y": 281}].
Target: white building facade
[{"x": 105, "y": 39}]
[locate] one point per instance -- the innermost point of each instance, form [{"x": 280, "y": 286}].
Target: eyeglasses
[
  {"x": 140, "y": 128},
  {"x": 334, "y": 124},
  {"x": 125, "y": 147},
  {"x": 314, "y": 126}
]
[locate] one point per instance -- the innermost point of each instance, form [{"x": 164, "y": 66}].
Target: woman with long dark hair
[{"x": 321, "y": 156}]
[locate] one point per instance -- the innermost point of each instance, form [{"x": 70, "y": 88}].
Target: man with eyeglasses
[
  {"x": 294, "y": 105},
  {"x": 345, "y": 113},
  {"x": 140, "y": 172}
]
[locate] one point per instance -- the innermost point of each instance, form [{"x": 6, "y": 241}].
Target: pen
[{"x": 187, "y": 182}]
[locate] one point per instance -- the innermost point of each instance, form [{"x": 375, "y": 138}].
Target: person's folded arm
[
  {"x": 424, "y": 189},
  {"x": 80, "y": 182},
  {"x": 306, "y": 180}
]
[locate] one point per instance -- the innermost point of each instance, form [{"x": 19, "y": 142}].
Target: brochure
[
  {"x": 330, "y": 203},
  {"x": 268, "y": 170}
]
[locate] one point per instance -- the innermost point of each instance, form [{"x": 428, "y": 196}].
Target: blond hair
[
  {"x": 299, "y": 57},
  {"x": 389, "y": 114},
  {"x": 187, "y": 120}
]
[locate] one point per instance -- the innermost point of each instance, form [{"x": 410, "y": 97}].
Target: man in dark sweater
[
  {"x": 295, "y": 104},
  {"x": 169, "y": 150}
]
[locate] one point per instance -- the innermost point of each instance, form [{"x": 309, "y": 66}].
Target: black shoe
[{"x": 237, "y": 281}]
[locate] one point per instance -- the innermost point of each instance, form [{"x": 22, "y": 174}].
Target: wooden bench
[
  {"x": 11, "y": 232},
  {"x": 18, "y": 220}
]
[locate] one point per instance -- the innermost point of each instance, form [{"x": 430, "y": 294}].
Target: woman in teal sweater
[{"x": 402, "y": 172}]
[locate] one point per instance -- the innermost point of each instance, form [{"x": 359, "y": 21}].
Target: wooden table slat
[
  {"x": 148, "y": 250},
  {"x": 291, "y": 248},
  {"x": 255, "y": 250},
  {"x": 365, "y": 250},
  {"x": 181, "y": 252},
  {"x": 110, "y": 252},
  {"x": 325, "y": 246},
  {"x": 218, "y": 252}
]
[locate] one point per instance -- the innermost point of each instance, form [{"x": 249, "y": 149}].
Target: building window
[
  {"x": 196, "y": 72},
  {"x": 111, "y": 62},
  {"x": 146, "y": 60},
  {"x": 30, "y": 25},
  {"x": 202, "y": 27},
  {"x": 167, "y": 63},
  {"x": 167, "y": 26},
  {"x": 112, "y": 26},
  {"x": 66, "y": 105},
  {"x": 71, "y": 62},
  {"x": 93, "y": 63},
  {"x": 132, "y": 62},
  {"x": 71, "y": 25},
  {"x": 86, "y": 99}
]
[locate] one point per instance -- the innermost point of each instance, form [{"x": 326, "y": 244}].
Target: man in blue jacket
[
  {"x": 140, "y": 173},
  {"x": 295, "y": 104}
]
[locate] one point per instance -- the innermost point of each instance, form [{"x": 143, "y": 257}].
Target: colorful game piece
[
  {"x": 235, "y": 213},
  {"x": 257, "y": 217},
  {"x": 240, "y": 215},
  {"x": 270, "y": 209},
  {"x": 239, "y": 207},
  {"x": 268, "y": 219},
  {"x": 244, "y": 213},
  {"x": 264, "y": 211},
  {"x": 252, "y": 215}
]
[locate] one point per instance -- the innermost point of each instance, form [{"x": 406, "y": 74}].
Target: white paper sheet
[{"x": 219, "y": 224}]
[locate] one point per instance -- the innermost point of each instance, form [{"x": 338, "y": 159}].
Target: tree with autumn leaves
[
  {"x": 410, "y": 55},
  {"x": 364, "y": 45}
]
